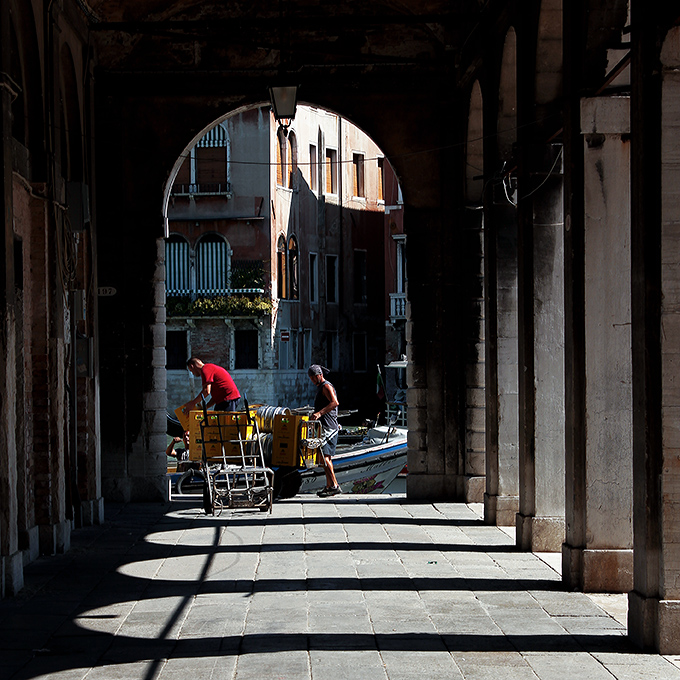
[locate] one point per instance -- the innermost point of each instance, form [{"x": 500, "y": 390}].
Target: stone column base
[
  {"x": 55, "y": 538},
  {"x": 92, "y": 512},
  {"x": 424, "y": 487},
  {"x": 540, "y": 534},
  {"x": 474, "y": 486},
  {"x": 12, "y": 573},
  {"x": 597, "y": 571},
  {"x": 500, "y": 510},
  {"x": 653, "y": 623},
  {"x": 136, "y": 489},
  {"x": 29, "y": 542}
]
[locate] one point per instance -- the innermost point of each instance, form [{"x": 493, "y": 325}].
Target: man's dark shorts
[{"x": 328, "y": 449}]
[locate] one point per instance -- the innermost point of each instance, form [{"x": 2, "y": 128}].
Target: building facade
[{"x": 281, "y": 253}]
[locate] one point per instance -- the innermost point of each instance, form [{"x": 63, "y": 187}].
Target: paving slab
[{"x": 354, "y": 587}]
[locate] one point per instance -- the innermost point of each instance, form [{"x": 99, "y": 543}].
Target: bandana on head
[{"x": 315, "y": 369}]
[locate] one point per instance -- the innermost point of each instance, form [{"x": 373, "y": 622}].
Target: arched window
[
  {"x": 18, "y": 115},
  {"x": 212, "y": 265},
  {"x": 280, "y": 157},
  {"x": 293, "y": 269},
  {"x": 282, "y": 288},
  {"x": 177, "y": 279},
  {"x": 291, "y": 162}
]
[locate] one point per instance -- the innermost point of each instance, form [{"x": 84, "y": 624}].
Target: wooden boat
[{"x": 366, "y": 466}]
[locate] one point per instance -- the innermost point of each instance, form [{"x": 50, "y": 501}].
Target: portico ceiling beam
[{"x": 317, "y": 24}]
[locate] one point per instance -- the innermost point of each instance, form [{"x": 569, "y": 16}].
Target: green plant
[{"x": 234, "y": 305}]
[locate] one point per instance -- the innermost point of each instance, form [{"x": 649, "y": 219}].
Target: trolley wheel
[
  {"x": 287, "y": 482},
  {"x": 209, "y": 495},
  {"x": 191, "y": 480}
]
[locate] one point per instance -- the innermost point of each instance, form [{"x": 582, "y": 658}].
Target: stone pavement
[{"x": 352, "y": 587}]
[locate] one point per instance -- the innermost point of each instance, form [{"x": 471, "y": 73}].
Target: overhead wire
[{"x": 407, "y": 154}]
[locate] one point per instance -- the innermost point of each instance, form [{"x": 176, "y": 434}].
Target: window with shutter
[
  {"x": 291, "y": 160},
  {"x": 358, "y": 175},
  {"x": 313, "y": 168},
  {"x": 280, "y": 155},
  {"x": 331, "y": 172}
]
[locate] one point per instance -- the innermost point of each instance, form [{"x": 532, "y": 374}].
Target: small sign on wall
[{"x": 285, "y": 336}]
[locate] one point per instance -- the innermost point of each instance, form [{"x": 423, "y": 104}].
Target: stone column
[
  {"x": 473, "y": 467},
  {"x": 540, "y": 520},
  {"x": 654, "y": 604},
  {"x": 11, "y": 563},
  {"x": 597, "y": 554},
  {"x": 148, "y": 463},
  {"x": 501, "y": 500},
  {"x": 433, "y": 373}
]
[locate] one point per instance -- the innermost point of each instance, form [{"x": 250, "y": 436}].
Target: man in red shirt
[{"x": 219, "y": 389}]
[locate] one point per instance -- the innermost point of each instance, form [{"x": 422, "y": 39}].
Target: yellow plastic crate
[
  {"x": 222, "y": 430},
  {"x": 286, "y": 439}
]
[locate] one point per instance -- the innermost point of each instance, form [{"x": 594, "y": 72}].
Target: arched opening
[
  {"x": 72, "y": 136},
  {"x": 280, "y": 157},
  {"x": 507, "y": 99},
  {"x": 293, "y": 269},
  {"x": 272, "y": 257},
  {"x": 291, "y": 160},
  {"x": 281, "y": 268},
  {"x": 18, "y": 105},
  {"x": 27, "y": 107},
  {"x": 474, "y": 170}
]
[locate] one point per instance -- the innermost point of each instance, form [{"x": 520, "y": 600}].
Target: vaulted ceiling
[{"x": 258, "y": 38}]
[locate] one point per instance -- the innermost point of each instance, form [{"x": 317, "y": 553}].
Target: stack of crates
[
  {"x": 290, "y": 433},
  {"x": 223, "y": 429},
  {"x": 286, "y": 439}
]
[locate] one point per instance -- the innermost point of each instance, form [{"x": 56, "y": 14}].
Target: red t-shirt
[{"x": 222, "y": 386}]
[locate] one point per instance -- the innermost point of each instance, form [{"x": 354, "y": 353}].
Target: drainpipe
[{"x": 321, "y": 232}]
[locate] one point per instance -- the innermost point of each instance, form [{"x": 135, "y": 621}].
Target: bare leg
[{"x": 331, "y": 481}]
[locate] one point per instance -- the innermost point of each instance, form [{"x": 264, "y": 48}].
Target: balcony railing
[
  {"x": 194, "y": 293},
  {"x": 218, "y": 302},
  {"x": 203, "y": 189},
  {"x": 397, "y": 306}
]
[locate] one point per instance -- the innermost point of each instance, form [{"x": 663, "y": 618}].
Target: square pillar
[
  {"x": 598, "y": 550},
  {"x": 540, "y": 520},
  {"x": 501, "y": 500},
  {"x": 654, "y": 604}
]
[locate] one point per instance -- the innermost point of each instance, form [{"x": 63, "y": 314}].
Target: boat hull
[{"x": 363, "y": 469}]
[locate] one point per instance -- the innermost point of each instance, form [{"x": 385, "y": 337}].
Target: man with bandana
[{"x": 326, "y": 412}]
